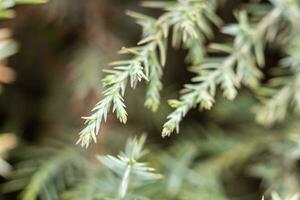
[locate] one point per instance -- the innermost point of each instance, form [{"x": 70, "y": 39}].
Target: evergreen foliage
[
  {"x": 191, "y": 170},
  {"x": 229, "y": 61},
  {"x": 8, "y": 47},
  {"x": 190, "y": 22}
]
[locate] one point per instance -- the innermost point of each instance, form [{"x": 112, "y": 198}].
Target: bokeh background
[{"x": 63, "y": 47}]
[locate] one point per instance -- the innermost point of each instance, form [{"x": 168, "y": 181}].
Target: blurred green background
[{"x": 63, "y": 47}]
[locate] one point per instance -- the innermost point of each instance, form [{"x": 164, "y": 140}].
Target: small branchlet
[{"x": 128, "y": 167}]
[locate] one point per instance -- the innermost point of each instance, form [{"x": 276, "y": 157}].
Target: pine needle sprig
[
  {"x": 133, "y": 70},
  {"x": 190, "y": 20},
  {"x": 128, "y": 167},
  {"x": 241, "y": 66}
]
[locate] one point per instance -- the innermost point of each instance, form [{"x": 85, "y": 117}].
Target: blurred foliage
[
  {"x": 8, "y": 47},
  {"x": 192, "y": 169},
  {"x": 246, "y": 51},
  {"x": 7, "y": 142}
]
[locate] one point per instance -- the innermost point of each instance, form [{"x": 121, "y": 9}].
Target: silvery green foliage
[
  {"x": 189, "y": 21},
  {"x": 47, "y": 172},
  {"x": 61, "y": 171},
  {"x": 279, "y": 169},
  {"x": 282, "y": 93},
  {"x": 185, "y": 180},
  {"x": 191, "y": 169},
  {"x": 118, "y": 178},
  {"x": 128, "y": 167},
  {"x": 240, "y": 65}
]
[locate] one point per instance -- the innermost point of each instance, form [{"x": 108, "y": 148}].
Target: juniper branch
[
  {"x": 190, "y": 18},
  {"x": 128, "y": 164},
  {"x": 133, "y": 70},
  {"x": 241, "y": 66},
  {"x": 277, "y": 102}
]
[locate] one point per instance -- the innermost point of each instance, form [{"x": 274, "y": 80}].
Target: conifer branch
[
  {"x": 283, "y": 92},
  {"x": 127, "y": 166},
  {"x": 240, "y": 67},
  {"x": 133, "y": 70},
  {"x": 190, "y": 21}
]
